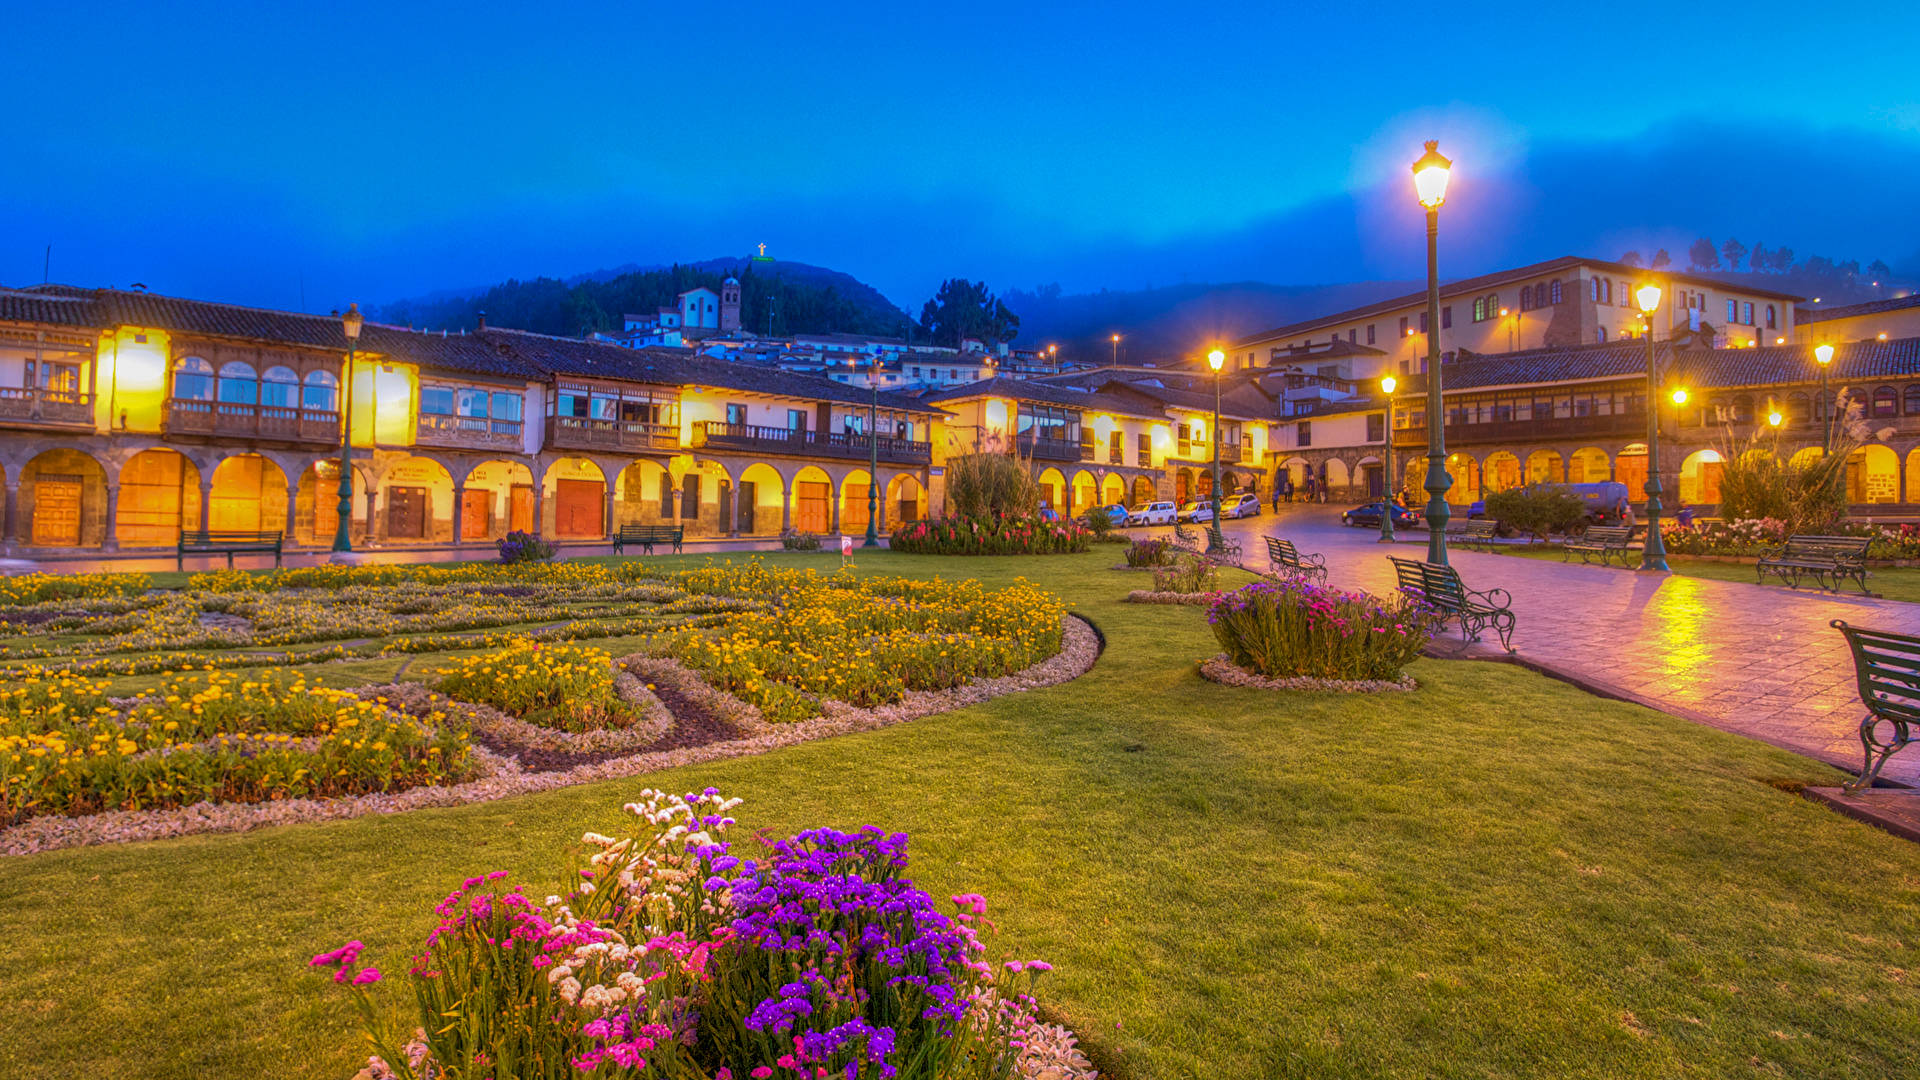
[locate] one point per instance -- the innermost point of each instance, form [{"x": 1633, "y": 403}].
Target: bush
[
  {"x": 986, "y": 486},
  {"x": 1186, "y": 573},
  {"x": 991, "y": 536},
  {"x": 1538, "y": 509},
  {"x": 524, "y": 547},
  {"x": 1292, "y": 627},
  {"x": 1809, "y": 496},
  {"x": 1098, "y": 523},
  {"x": 1150, "y": 551},
  {"x": 794, "y": 540}
]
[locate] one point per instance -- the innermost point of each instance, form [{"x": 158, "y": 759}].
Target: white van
[{"x": 1157, "y": 513}]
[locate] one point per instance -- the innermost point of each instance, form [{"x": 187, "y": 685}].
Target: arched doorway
[
  {"x": 855, "y": 491},
  {"x": 1545, "y": 467},
  {"x": 1466, "y": 487},
  {"x": 1113, "y": 490},
  {"x": 63, "y": 500},
  {"x": 759, "y": 495},
  {"x": 1700, "y": 477},
  {"x": 906, "y": 499},
  {"x": 1873, "y": 475},
  {"x": 1339, "y": 484},
  {"x": 1085, "y": 491},
  {"x": 1053, "y": 487},
  {"x": 249, "y": 494},
  {"x": 416, "y": 502},
  {"x": 1502, "y": 471},
  {"x": 1183, "y": 486},
  {"x": 1589, "y": 465},
  {"x": 812, "y": 501},
  {"x": 1143, "y": 491},
  {"x": 576, "y": 498},
  {"x": 498, "y": 500},
  {"x": 159, "y": 499},
  {"x": 1630, "y": 468}
]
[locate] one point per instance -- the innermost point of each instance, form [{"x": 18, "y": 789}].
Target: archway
[
  {"x": 855, "y": 488},
  {"x": 1589, "y": 465},
  {"x": 1545, "y": 467},
  {"x": 1630, "y": 468},
  {"x": 416, "y": 502},
  {"x": 1113, "y": 490},
  {"x": 62, "y": 500},
  {"x": 1913, "y": 475},
  {"x": 1873, "y": 475},
  {"x": 1373, "y": 476},
  {"x": 1700, "y": 477},
  {"x": 249, "y": 494},
  {"x": 159, "y": 499},
  {"x": 706, "y": 496},
  {"x": 1183, "y": 486},
  {"x": 1143, "y": 491},
  {"x": 1085, "y": 491},
  {"x": 1202, "y": 484},
  {"x": 759, "y": 495},
  {"x": 1805, "y": 457},
  {"x": 1296, "y": 469},
  {"x": 643, "y": 494},
  {"x": 812, "y": 501},
  {"x": 576, "y": 500},
  {"x": 1053, "y": 487},
  {"x": 1465, "y": 471},
  {"x": 316, "y": 506},
  {"x": 498, "y": 500},
  {"x": 1501, "y": 472},
  {"x": 1338, "y": 481},
  {"x": 906, "y": 499}
]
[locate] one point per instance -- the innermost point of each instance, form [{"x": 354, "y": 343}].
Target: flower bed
[
  {"x": 1290, "y": 628},
  {"x": 1219, "y": 669},
  {"x": 991, "y": 536},
  {"x": 1150, "y": 551},
  {"x": 665, "y": 954},
  {"x": 1758, "y": 536},
  {"x": 567, "y": 687}
]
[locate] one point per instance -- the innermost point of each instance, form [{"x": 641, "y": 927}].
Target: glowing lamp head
[
  {"x": 352, "y": 321},
  {"x": 1679, "y": 395},
  {"x": 1388, "y": 383},
  {"x": 1504, "y": 313},
  {"x": 1430, "y": 176},
  {"x": 1648, "y": 297},
  {"x": 1774, "y": 418},
  {"x": 1824, "y": 354},
  {"x": 1216, "y": 359},
  {"x": 1116, "y": 337}
]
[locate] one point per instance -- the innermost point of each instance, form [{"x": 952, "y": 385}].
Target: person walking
[{"x": 1286, "y": 482}]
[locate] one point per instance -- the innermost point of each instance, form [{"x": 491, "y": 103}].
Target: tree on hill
[
  {"x": 1782, "y": 260},
  {"x": 1734, "y": 251},
  {"x": 1703, "y": 255},
  {"x": 967, "y": 309},
  {"x": 1633, "y": 258},
  {"x": 1760, "y": 259},
  {"x": 1661, "y": 260},
  {"x": 1880, "y": 271}
]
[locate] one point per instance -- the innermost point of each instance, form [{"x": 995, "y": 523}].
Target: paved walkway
[{"x": 1758, "y": 660}]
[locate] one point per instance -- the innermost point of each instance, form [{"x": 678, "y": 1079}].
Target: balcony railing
[
  {"x": 234, "y": 420},
  {"x": 1042, "y": 448},
  {"x": 754, "y": 438},
  {"x": 35, "y": 406},
  {"x": 1626, "y": 425},
  {"x": 581, "y": 433},
  {"x": 467, "y": 431},
  {"x": 1116, "y": 456}
]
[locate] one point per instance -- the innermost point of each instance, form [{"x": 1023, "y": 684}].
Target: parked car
[
  {"x": 1244, "y": 505},
  {"x": 1116, "y": 514},
  {"x": 1368, "y": 514},
  {"x": 1477, "y": 510},
  {"x": 1154, "y": 513},
  {"x": 1048, "y": 513},
  {"x": 1196, "y": 512}
]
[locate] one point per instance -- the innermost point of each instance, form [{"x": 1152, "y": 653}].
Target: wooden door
[
  {"x": 476, "y": 514},
  {"x": 853, "y": 512},
  {"x": 520, "y": 508},
  {"x": 578, "y": 505},
  {"x": 236, "y": 495},
  {"x": 813, "y": 503},
  {"x": 909, "y": 510},
  {"x": 406, "y": 513},
  {"x": 1631, "y": 470},
  {"x": 150, "y": 497},
  {"x": 1710, "y": 480},
  {"x": 749, "y": 504},
  {"x": 726, "y": 506},
  {"x": 690, "y": 497},
  {"x": 56, "y": 511}
]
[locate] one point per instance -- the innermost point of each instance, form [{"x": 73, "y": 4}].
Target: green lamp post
[
  {"x": 1653, "y": 555},
  {"x": 1386, "y": 481},
  {"x": 350, "y": 323},
  {"x": 873, "y": 457},
  {"x": 1216, "y": 360},
  {"x": 1430, "y": 175}
]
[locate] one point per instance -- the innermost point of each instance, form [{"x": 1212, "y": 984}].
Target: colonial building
[{"x": 1875, "y": 320}]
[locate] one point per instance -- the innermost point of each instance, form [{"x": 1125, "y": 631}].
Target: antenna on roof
[{"x": 46, "y": 266}]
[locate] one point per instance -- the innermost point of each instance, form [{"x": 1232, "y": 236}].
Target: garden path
[{"x": 1759, "y": 660}]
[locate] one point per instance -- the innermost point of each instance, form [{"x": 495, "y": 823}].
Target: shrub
[
  {"x": 1538, "y": 509},
  {"x": 1098, "y": 522},
  {"x": 1150, "y": 551},
  {"x": 566, "y": 687},
  {"x": 794, "y": 540},
  {"x": 991, "y": 536},
  {"x": 987, "y": 485},
  {"x": 524, "y": 547},
  {"x": 1186, "y": 573},
  {"x": 1292, "y": 627},
  {"x": 1809, "y": 496}
]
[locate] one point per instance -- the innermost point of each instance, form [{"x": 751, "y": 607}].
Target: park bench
[
  {"x": 1827, "y": 559},
  {"x": 1285, "y": 559},
  {"x": 1887, "y": 668},
  {"x": 1440, "y": 588},
  {"x": 1477, "y": 532},
  {"x": 228, "y": 542},
  {"x": 645, "y": 536},
  {"x": 1185, "y": 537},
  {"x": 1604, "y": 541}
]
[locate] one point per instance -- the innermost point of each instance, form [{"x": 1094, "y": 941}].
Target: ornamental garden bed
[
  {"x": 1293, "y": 634},
  {"x": 727, "y": 659}
]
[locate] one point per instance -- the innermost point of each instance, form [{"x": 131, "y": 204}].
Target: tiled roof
[
  {"x": 1871, "y": 307},
  {"x": 1048, "y": 393},
  {"x": 1777, "y": 364},
  {"x": 1195, "y": 392},
  {"x": 1336, "y": 408},
  {"x": 1467, "y": 286},
  {"x": 49, "y": 309},
  {"x": 1696, "y": 368}
]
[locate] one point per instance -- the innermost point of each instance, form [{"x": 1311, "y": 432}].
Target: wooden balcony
[
  {"x": 755, "y": 439},
  {"x": 632, "y": 436},
  {"x": 270, "y": 423},
  {"x": 1612, "y": 425},
  {"x": 1042, "y": 448},
  {"x": 32, "y": 407},
  {"x": 467, "y": 433}
]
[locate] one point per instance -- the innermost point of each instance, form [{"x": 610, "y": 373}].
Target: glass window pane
[
  {"x": 506, "y": 406},
  {"x": 436, "y": 400}
]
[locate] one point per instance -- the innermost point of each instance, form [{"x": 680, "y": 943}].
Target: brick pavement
[{"x": 1758, "y": 660}]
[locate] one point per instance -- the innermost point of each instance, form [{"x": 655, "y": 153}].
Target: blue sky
[{"x": 376, "y": 151}]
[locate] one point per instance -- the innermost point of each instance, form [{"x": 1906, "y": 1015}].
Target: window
[
  {"x": 55, "y": 376},
  {"x": 1733, "y": 311},
  {"x": 1773, "y": 319},
  {"x": 797, "y": 419},
  {"x": 1446, "y": 317},
  {"x": 1353, "y": 336},
  {"x": 1305, "y": 434},
  {"x": 1493, "y": 306},
  {"x": 1526, "y": 298},
  {"x": 436, "y": 400},
  {"x": 1479, "y": 309},
  {"x": 1403, "y": 326},
  {"x": 506, "y": 412},
  {"x": 1885, "y": 403},
  {"x": 1912, "y": 397},
  {"x": 280, "y": 388},
  {"x": 1376, "y": 427},
  {"x": 1746, "y": 313},
  {"x": 1144, "y": 448},
  {"x": 736, "y": 415},
  {"x": 1602, "y": 332},
  {"x": 239, "y": 385},
  {"x": 1370, "y": 327},
  {"x": 1423, "y": 323},
  {"x": 1554, "y": 292},
  {"x": 193, "y": 379},
  {"x": 317, "y": 393},
  {"x": 1596, "y": 290}
]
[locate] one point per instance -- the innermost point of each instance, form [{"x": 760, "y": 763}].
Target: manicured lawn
[
  {"x": 1494, "y": 876},
  {"x": 1893, "y": 582}
]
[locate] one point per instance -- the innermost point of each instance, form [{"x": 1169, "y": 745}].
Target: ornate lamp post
[
  {"x": 1386, "y": 486},
  {"x": 1823, "y": 353},
  {"x": 1653, "y": 555},
  {"x": 1216, "y": 360},
  {"x": 1116, "y": 350},
  {"x": 350, "y": 324},
  {"x": 873, "y": 457},
  {"x": 1430, "y": 183}
]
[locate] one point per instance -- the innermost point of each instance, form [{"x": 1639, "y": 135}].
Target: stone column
[
  {"x": 111, "y": 541},
  {"x": 539, "y": 508},
  {"x": 879, "y": 508},
  {"x": 374, "y": 532},
  {"x": 833, "y": 511},
  {"x": 206, "y": 502},
  {"x": 611, "y": 526},
  {"x": 786, "y": 507},
  {"x": 293, "y": 508},
  {"x": 13, "y": 515},
  {"x": 459, "y": 511},
  {"x": 736, "y": 511}
]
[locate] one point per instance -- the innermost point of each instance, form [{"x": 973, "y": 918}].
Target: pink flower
[
  {"x": 367, "y": 977},
  {"x": 761, "y": 1073}
]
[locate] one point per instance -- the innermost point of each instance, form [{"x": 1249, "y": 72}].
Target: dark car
[{"x": 1368, "y": 514}]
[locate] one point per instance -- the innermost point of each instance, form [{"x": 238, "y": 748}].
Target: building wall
[{"x": 1886, "y": 325}]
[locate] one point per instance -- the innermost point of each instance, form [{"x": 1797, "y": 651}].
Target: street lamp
[
  {"x": 1653, "y": 555},
  {"x": 1116, "y": 350},
  {"x": 1216, "y": 360},
  {"x": 1430, "y": 183},
  {"x": 873, "y": 457},
  {"x": 1513, "y": 326},
  {"x": 1824, "y": 354},
  {"x": 1386, "y": 487},
  {"x": 350, "y": 324}
]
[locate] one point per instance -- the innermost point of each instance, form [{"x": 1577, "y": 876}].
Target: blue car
[
  {"x": 1116, "y": 514},
  {"x": 1368, "y": 514}
]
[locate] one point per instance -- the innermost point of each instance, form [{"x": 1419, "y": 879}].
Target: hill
[{"x": 800, "y": 298}]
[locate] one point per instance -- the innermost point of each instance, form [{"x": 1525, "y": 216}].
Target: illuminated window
[
  {"x": 1772, "y": 318},
  {"x": 317, "y": 395},
  {"x": 239, "y": 384},
  {"x": 193, "y": 379},
  {"x": 1479, "y": 309},
  {"x": 1746, "y": 312},
  {"x": 1885, "y": 402},
  {"x": 1555, "y": 293}
]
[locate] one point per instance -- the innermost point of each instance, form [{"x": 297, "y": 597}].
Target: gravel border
[
  {"x": 1218, "y": 668},
  {"x": 1080, "y": 647},
  {"x": 1189, "y": 599},
  {"x": 517, "y": 734}
]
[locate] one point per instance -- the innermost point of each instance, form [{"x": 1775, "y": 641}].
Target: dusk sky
[{"x": 376, "y": 151}]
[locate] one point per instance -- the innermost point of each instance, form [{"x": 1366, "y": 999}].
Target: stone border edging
[
  {"x": 1079, "y": 648},
  {"x": 1217, "y": 668},
  {"x": 1189, "y": 599}
]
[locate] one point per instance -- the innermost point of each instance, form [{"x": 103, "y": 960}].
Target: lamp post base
[{"x": 350, "y": 558}]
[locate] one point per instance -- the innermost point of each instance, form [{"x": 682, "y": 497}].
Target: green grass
[
  {"x": 1892, "y": 582},
  {"x": 1494, "y": 876}
]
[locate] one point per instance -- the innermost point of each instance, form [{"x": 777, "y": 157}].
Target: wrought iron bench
[
  {"x": 1829, "y": 560},
  {"x": 228, "y": 542},
  {"x": 645, "y": 536},
  {"x": 1887, "y": 668},
  {"x": 1284, "y": 558},
  {"x": 1476, "y": 532},
  {"x": 1185, "y": 537},
  {"x": 1440, "y": 588},
  {"x": 1604, "y": 541}
]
